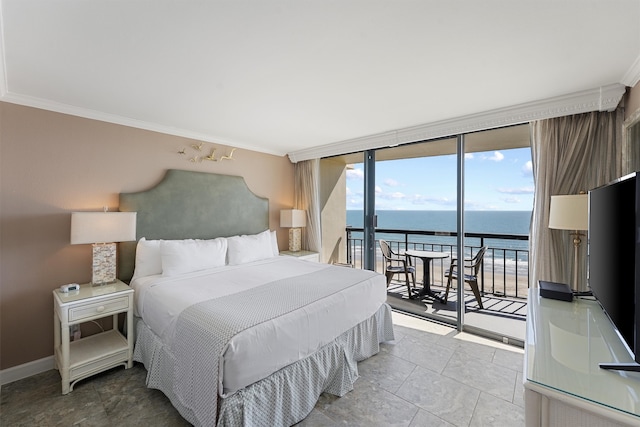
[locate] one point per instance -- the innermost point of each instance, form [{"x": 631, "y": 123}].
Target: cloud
[
  {"x": 523, "y": 190},
  {"x": 391, "y": 182},
  {"x": 468, "y": 156},
  {"x": 378, "y": 190},
  {"x": 511, "y": 200},
  {"x": 355, "y": 174},
  {"x": 420, "y": 200},
  {"x": 497, "y": 156},
  {"x": 390, "y": 196},
  {"x": 355, "y": 203},
  {"x": 527, "y": 168}
]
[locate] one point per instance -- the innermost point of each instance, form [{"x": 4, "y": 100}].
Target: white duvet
[{"x": 256, "y": 353}]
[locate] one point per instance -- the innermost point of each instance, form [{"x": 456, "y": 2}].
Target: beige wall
[
  {"x": 333, "y": 199},
  {"x": 52, "y": 164},
  {"x": 632, "y": 104}
]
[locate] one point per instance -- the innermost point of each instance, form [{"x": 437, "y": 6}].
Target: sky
[{"x": 494, "y": 180}]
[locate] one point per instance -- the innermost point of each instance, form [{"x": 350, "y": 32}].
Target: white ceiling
[{"x": 312, "y": 76}]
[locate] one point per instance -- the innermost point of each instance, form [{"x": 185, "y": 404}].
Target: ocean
[
  {"x": 500, "y": 222},
  {"x": 493, "y": 222}
]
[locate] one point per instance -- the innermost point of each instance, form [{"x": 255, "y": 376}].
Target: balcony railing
[{"x": 505, "y": 267}]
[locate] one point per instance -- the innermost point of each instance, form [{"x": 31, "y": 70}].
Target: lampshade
[
  {"x": 569, "y": 212},
  {"x": 293, "y": 218},
  {"x": 102, "y": 227}
]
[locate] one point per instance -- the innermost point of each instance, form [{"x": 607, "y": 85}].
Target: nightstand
[
  {"x": 96, "y": 353},
  {"x": 306, "y": 255}
]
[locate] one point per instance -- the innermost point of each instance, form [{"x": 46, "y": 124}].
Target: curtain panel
[
  {"x": 307, "y": 197},
  {"x": 569, "y": 155}
]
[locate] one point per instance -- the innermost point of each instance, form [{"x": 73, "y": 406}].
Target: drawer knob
[{"x": 100, "y": 309}]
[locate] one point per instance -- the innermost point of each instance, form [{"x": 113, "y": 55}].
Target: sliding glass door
[
  {"x": 410, "y": 219},
  {"x": 468, "y": 197}
]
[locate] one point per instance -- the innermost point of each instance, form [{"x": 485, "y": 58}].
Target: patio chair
[
  {"x": 473, "y": 264},
  {"x": 397, "y": 264}
]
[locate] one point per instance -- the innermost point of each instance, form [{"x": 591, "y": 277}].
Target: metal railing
[{"x": 504, "y": 270}]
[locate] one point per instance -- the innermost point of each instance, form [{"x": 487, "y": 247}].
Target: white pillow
[
  {"x": 274, "y": 243},
  {"x": 148, "y": 261},
  {"x": 248, "y": 248},
  {"x": 185, "y": 256}
]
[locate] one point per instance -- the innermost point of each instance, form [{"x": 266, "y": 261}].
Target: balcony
[{"x": 504, "y": 278}]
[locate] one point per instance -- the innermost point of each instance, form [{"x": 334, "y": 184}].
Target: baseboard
[{"x": 26, "y": 370}]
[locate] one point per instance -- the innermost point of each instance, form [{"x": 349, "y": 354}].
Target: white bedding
[{"x": 258, "y": 352}]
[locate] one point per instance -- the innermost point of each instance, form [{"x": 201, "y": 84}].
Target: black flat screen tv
[{"x": 614, "y": 260}]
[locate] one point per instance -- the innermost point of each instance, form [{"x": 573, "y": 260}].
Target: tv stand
[
  {"x": 631, "y": 367},
  {"x": 564, "y": 384}
]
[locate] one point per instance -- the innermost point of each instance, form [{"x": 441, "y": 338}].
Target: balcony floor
[{"x": 502, "y": 318}]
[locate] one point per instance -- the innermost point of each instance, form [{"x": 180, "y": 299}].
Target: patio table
[{"x": 426, "y": 257}]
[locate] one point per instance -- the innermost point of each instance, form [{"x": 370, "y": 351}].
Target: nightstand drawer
[{"x": 104, "y": 307}]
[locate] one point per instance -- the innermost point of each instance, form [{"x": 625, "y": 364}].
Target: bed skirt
[{"x": 286, "y": 396}]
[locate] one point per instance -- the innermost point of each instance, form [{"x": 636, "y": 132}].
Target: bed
[{"x": 231, "y": 332}]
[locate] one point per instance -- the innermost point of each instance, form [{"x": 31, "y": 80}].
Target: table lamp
[
  {"x": 102, "y": 230},
  {"x": 571, "y": 212},
  {"x": 293, "y": 219}
]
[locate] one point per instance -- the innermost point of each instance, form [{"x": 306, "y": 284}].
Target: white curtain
[
  {"x": 570, "y": 154},
  {"x": 307, "y": 197}
]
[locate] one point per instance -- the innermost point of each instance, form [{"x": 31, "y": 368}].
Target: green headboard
[{"x": 192, "y": 205}]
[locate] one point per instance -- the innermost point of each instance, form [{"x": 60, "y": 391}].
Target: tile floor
[
  {"x": 501, "y": 317},
  {"x": 429, "y": 376}
]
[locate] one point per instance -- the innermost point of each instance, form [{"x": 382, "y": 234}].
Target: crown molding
[
  {"x": 605, "y": 98},
  {"x": 632, "y": 76}
]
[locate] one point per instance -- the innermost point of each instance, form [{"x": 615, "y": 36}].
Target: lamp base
[
  {"x": 295, "y": 239},
  {"x": 577, "y": 240},
  {"x": 104, "y": 264}
]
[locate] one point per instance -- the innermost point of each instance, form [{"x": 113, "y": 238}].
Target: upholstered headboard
[{"x": 192, "y": 205}]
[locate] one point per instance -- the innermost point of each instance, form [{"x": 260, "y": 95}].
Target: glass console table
[{"x": 563, "y": 384}]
